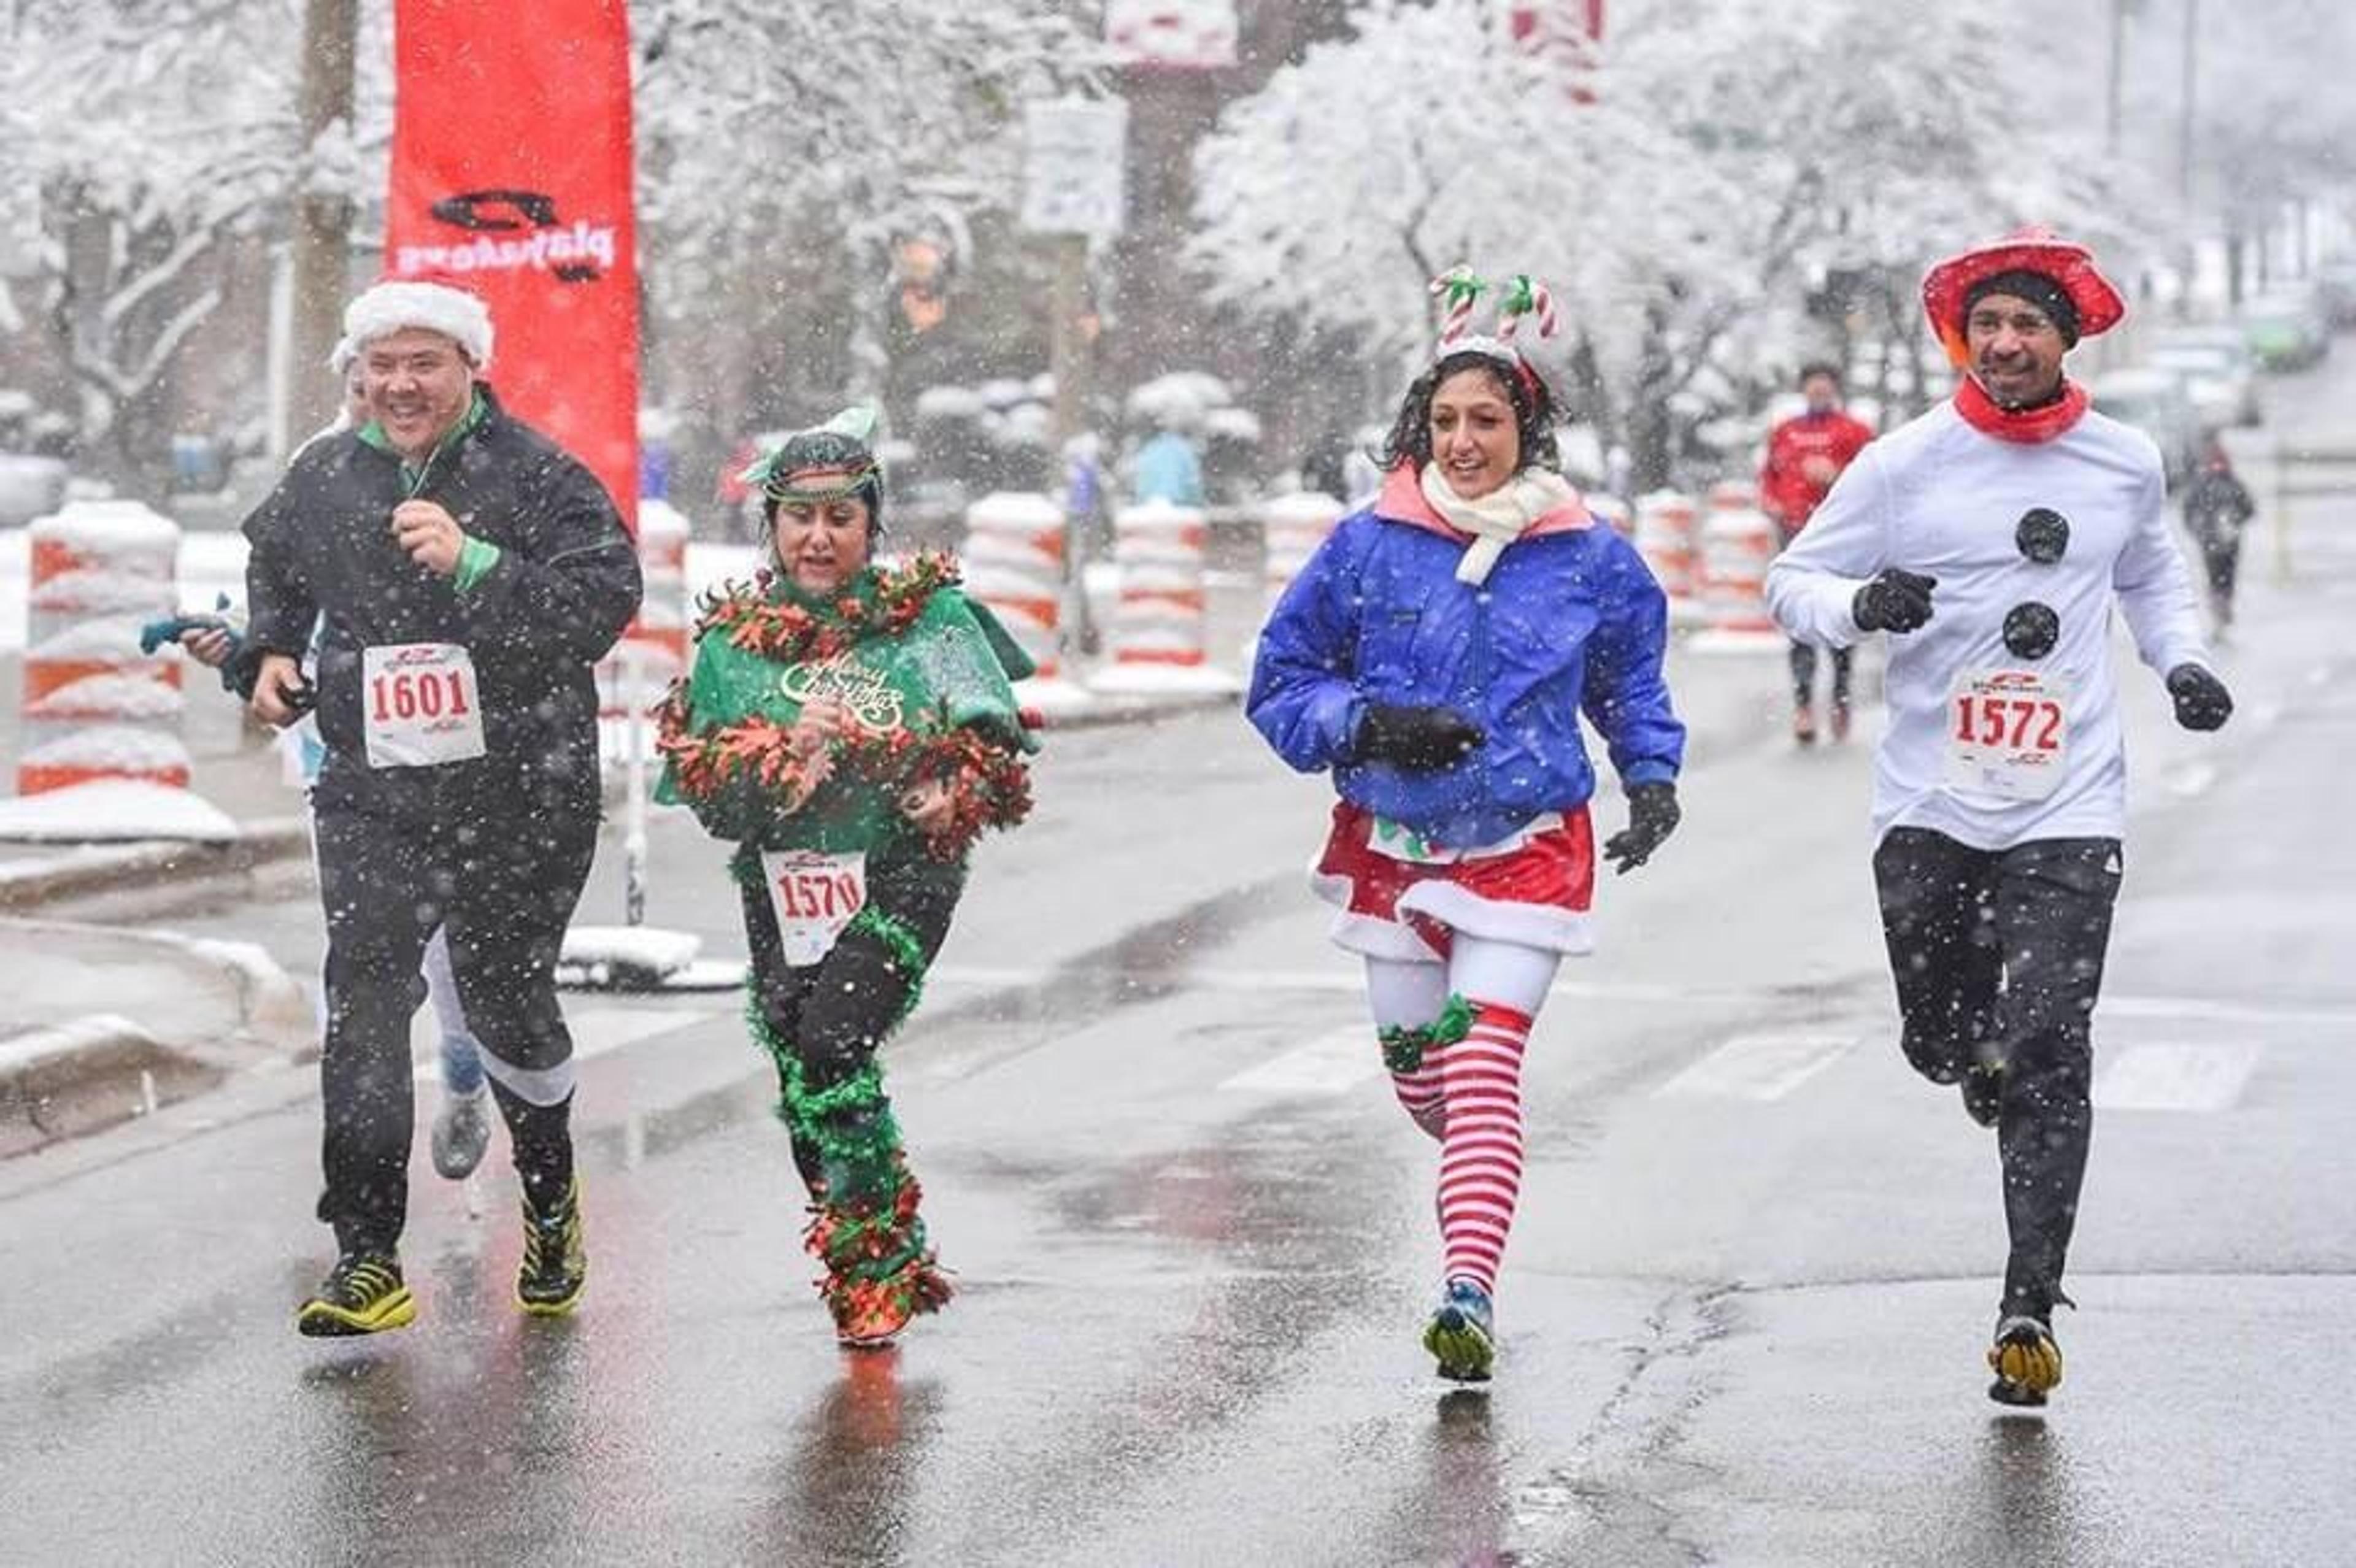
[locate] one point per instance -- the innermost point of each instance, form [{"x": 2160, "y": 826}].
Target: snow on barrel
[
  {"x": 1158, "y": 625},
  {"x": 1294, "y": 526},
  {"x": 1738, "y": 543},
  {"x": 95, "y": 706},
  {"x": 1665, "y": 538},
  {"x": 1013, "y": 562}
]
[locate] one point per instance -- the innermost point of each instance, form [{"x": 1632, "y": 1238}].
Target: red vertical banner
[{"x": 511, "y": 174}]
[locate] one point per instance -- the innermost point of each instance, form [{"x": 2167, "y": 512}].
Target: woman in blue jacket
[{"x": 1436, "y": 654}]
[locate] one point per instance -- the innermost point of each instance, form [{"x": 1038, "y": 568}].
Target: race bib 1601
[{"x": 421, "y": 705}]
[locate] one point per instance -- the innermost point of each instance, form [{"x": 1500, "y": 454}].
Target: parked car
[
  {"x": 2219, "y": 371},
  {"x": 2286, "y": 332},
  {"x": 2156, "y": 402},
  {"x": 2335, "y": 283}
]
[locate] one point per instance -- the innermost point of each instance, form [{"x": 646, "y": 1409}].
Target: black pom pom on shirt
[
  {"x": 2043, "y": 535},
  {"x": 2031, "y": 630}
]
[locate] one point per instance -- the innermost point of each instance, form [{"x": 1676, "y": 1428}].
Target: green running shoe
[
  {"x": 361, "y": 1295},
  {"x": 1461, "y": 1336}
]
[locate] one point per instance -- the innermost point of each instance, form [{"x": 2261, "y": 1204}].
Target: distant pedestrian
[
  {"x": 1992, "y": 539},
  {"x": 1804, "y": 454},
  {"x": 2218, "y": 510},
  {"x": 1168, "y": 468}
]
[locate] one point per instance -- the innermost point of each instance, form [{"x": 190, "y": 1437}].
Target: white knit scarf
[{"x": 1497, "y": 519}]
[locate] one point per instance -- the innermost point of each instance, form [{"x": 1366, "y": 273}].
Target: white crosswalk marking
[
  {"x": 1759, "y": 1066},
  {"x": 1325, "y": 1065},
  {"x": 2175, "y": 1077}
]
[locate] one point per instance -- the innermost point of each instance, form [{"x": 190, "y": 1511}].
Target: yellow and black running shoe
[
  {"x": 361, "y": 1295},
  {"x": 555, "y": 1267},
  {"x": 2026, "y": 1361}
]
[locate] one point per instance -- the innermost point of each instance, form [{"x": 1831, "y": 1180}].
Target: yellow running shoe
[
  {"x": 555, "y": 1268},
  {"x": 2026, "y": 1361},
  {"x": 361, "y": 1295}
]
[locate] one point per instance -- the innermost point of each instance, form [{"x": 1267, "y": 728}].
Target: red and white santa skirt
[{"x": 1399, "y": 898}]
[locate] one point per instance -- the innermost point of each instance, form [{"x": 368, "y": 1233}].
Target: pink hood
[{"x": 1401, "y": 501}]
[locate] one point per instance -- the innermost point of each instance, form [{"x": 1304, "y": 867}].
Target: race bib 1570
[{"x": 813, "y": 895}]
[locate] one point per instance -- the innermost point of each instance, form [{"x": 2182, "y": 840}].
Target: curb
[
  {"x": 30, "y": 885},
  {"x": 76, "y": 1078},
  {"x": 84, "y": 1074},
  {"x": 1138, "y": 710}
]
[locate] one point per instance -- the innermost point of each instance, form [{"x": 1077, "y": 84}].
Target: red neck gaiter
[{"x": 2028, "y": 426}]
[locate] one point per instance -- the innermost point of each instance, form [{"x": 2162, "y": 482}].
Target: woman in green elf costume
[{"x": 850, "y": 726}]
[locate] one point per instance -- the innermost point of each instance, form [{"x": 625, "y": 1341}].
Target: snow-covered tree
[
  {"x": 1687, "y": 187},
  {"x": 2272, "y": 116},
  {"x": 153, "y": 133},
  {"x": 784, "y": 148}
]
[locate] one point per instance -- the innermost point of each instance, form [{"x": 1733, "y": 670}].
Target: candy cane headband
[{"x": 1523, "y": 298}]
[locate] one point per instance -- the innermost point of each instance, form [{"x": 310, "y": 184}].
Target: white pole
[{"x": 634, "y": 840}]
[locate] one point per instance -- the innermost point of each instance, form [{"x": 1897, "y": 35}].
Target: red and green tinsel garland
[
  {"x": 753, "y": 617},
  {"x": 865, "y": 1230},
  {"x": 989, "y": 787}
]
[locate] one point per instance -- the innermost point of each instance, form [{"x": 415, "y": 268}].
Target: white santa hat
[{"x": 399, "y": 303}]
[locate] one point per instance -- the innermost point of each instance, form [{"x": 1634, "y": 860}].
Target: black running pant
[
  {"x": 2221, "y": 561},
  {"x": 833, "y": 1014},
  {"x": 1804, "y": 674},
  {"x": 505, "y": 888},
  {"x": 1997, "y": 956}
]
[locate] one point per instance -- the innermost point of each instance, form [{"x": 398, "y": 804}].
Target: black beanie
[{"x": 2037, "y": 289}]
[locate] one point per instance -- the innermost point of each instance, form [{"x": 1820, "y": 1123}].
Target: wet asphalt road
[{"x": 1742, "y": 1312}]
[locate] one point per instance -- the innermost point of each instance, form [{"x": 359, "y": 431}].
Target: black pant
[
  {"x": 1997, "y": 956},
  {"x": 833, "y": 1016},
  {"x": 2221, "y": 561},
  {"x": 505, "y": 887},
  {"x": 1804, "y": 674}
]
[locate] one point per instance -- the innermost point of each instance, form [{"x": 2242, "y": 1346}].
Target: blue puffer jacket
[{"x": 1568, "y": 623}]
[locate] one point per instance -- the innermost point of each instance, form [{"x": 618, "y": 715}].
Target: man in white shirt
[{"x": 1991, "y": 538}]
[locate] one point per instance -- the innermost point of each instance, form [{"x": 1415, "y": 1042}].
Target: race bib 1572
[{"x": 2008, "y": 734}]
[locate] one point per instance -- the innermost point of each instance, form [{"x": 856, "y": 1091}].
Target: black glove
[
  {"x": 2201, "y": 700},
  {"x": 1419, "y": 738},
  {"x": 1653, "y": 815},
  {"x": 1894, "y": 602}
]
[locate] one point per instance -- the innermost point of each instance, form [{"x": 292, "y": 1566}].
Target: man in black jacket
[{"x": 465, "y": 574}]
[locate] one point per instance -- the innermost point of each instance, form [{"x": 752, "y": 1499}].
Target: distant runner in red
[{"x": 1804, "y": 454}]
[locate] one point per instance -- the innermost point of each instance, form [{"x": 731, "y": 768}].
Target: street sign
[
  {"x": 1072, "y": 158},
  {"x": 1173, "y": 35}
]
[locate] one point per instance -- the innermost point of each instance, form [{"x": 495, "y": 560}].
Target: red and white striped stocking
[
  {"x": 1421, "y": 1093},
  {"x": 1479, "y": 1115}
]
